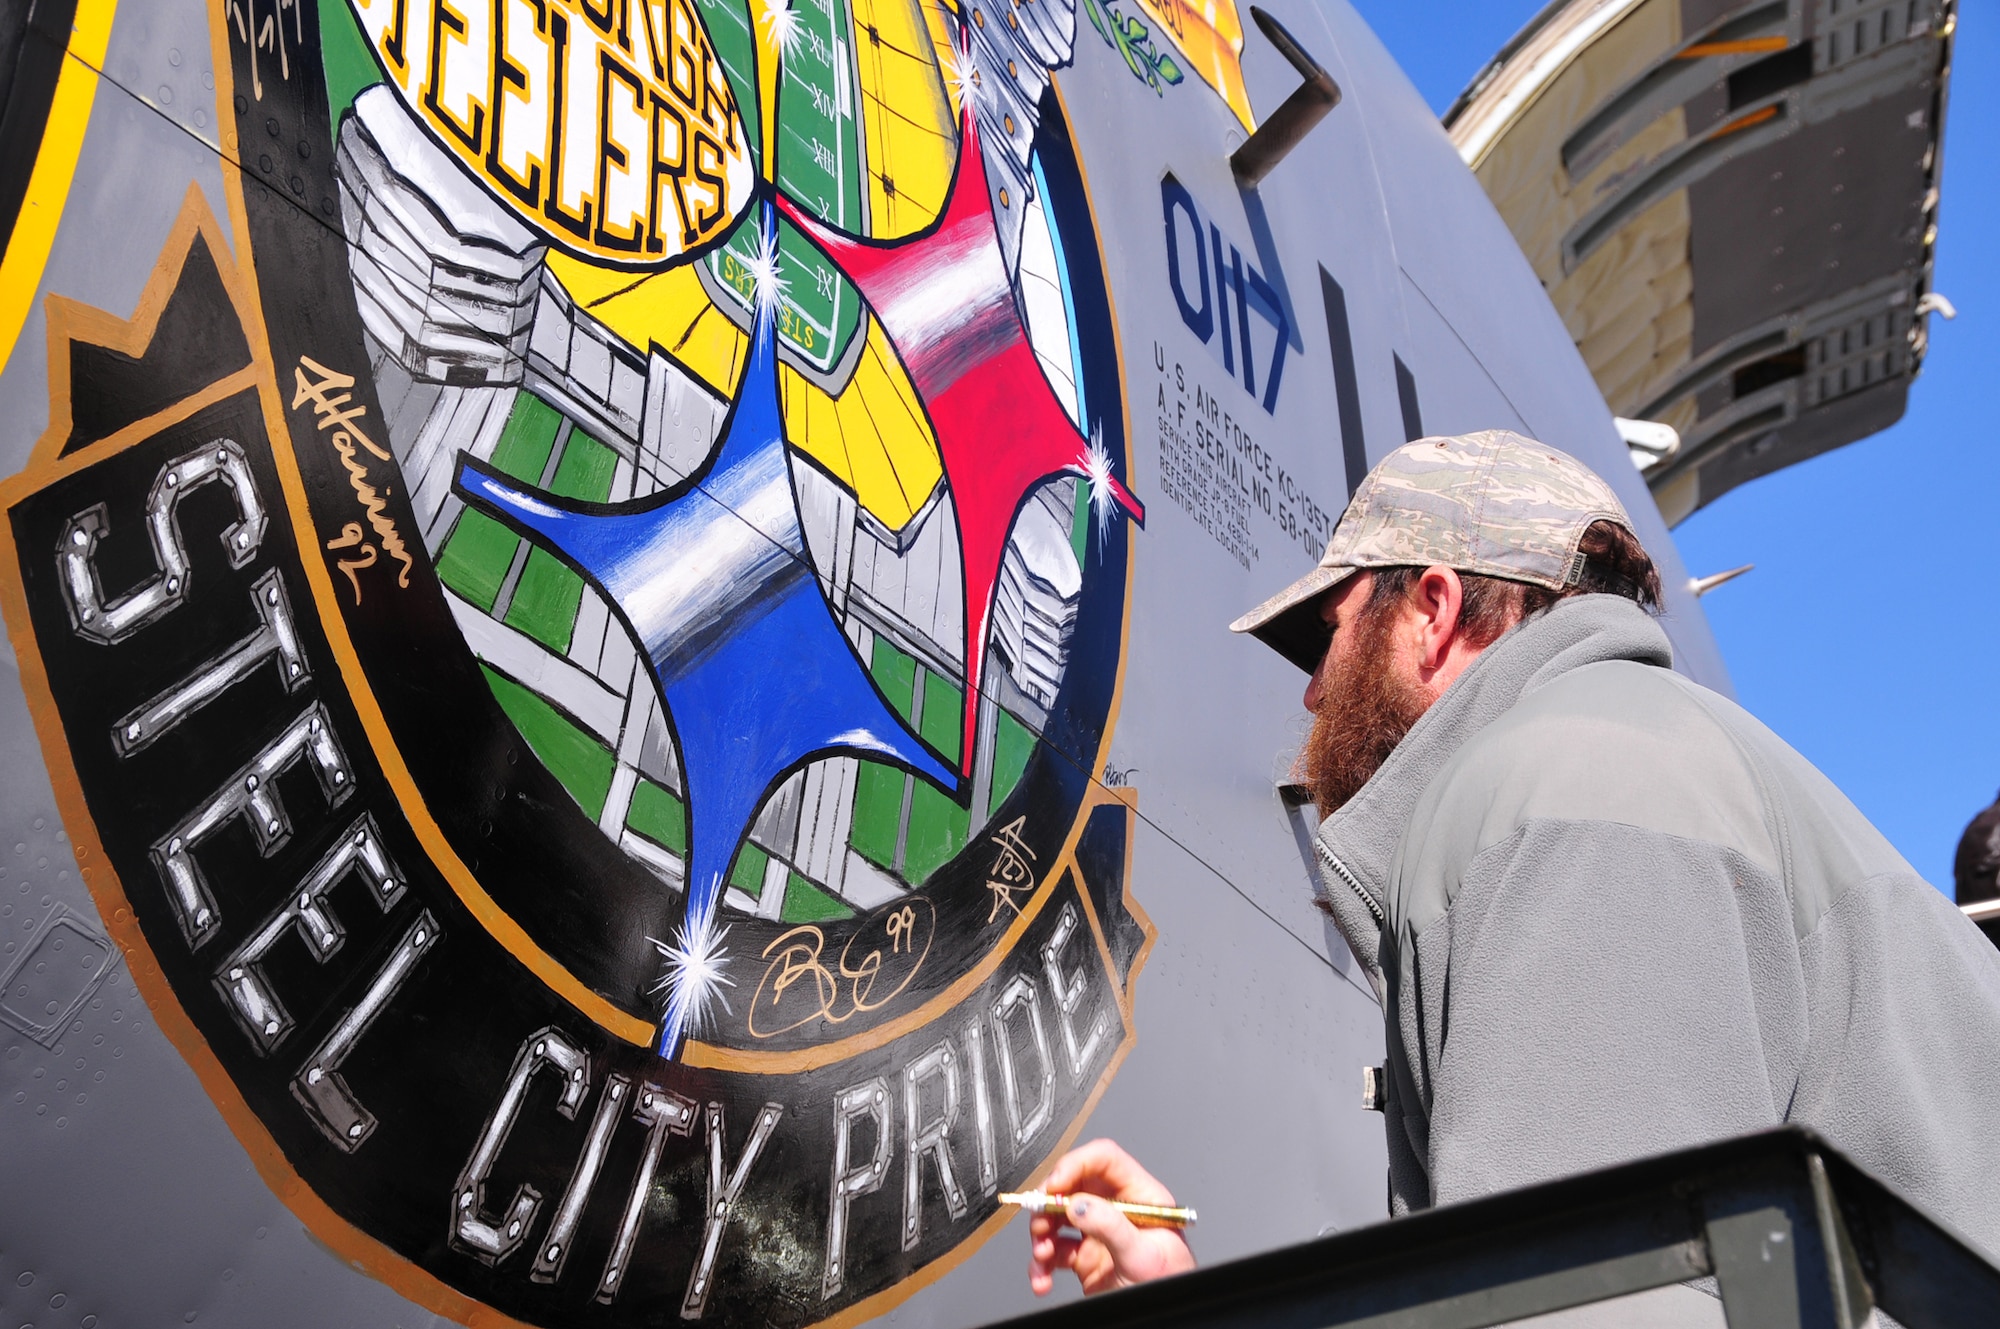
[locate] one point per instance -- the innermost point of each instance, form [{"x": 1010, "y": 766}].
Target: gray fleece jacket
[{"x": 1611, "y": 915}]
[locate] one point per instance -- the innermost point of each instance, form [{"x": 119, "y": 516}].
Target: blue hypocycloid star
[{"x": 713, "y": 581}]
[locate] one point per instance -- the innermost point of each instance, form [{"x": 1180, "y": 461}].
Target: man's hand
[{"x": 1111, "y": 1253}]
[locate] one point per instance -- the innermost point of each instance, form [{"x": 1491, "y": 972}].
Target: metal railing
[{"x": 1795, "y": 1235}]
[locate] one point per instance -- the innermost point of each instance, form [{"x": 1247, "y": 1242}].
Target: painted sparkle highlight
[
  {"x": 767, "y": 284},
  {"x": 960, "y": 71},
  {"x": 1094, "y": 465},
  {"x": 783, "y": 21},
  {"x": 691, "y": 975}
]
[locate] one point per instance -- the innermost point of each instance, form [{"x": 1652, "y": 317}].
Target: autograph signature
[
  {"x": 1013, "y": 870},
  {"x": 344, "y": 420},
  {"x": 875, "y": 965}
]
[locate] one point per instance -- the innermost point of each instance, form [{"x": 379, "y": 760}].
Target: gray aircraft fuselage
[{"x": 358, "y": 760}]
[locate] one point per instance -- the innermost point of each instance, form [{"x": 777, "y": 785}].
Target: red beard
[{"x": 1364, "y": 711}]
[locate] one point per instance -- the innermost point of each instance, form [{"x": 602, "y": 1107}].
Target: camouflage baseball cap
[{"x": 1492, "y": 503}]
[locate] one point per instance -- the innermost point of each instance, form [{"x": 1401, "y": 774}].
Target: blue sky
[{"x": 1869, "y": 635}]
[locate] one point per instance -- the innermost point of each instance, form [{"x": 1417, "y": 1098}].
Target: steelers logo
[{"x": 573, "y": 628}]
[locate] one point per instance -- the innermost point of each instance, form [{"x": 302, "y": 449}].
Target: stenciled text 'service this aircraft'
[{"x": 618, "y": 706}]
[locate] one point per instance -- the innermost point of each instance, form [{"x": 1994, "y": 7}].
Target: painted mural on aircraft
[
  {"x": 624, "y": 710},
  {"x": 572, "y": 627}
]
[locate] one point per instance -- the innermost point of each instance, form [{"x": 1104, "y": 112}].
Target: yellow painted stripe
[
  {"x": 1744, "y": 46},
  {"x": 55, "y": 166},
  {"x": 1756, "y": 117}
]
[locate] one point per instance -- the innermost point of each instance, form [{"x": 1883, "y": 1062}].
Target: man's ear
[{"x": 1439, "y": 598}]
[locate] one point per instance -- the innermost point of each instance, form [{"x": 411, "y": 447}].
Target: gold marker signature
[
  {"x": 1013, "y": 872},
  {"x": 798, "y": 987},
  {"x": 350, "y": 536},
  {"x": 335, "y": 413}
]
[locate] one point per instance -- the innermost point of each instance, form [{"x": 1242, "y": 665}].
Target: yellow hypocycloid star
[{"x": 872, "y": 437}]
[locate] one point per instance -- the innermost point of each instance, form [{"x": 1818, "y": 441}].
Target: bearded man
[{"x": 1607, "y": 912}]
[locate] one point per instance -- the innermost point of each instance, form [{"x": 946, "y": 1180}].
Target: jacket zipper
[{"x": 1339, "y": 869}]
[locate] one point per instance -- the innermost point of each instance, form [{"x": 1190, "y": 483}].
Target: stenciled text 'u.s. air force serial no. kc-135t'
[{"x": 622, "y": 710}]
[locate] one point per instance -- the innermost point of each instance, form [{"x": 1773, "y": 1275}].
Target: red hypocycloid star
[{"x": 945, "y": 302}]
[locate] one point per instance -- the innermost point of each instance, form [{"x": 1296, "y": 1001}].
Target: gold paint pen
[{"x": 1141, "y": 1215}]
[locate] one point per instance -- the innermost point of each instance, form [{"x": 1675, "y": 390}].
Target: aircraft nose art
[
  {"x": 620, "y": 620},
  {"x": 570, "y": 604}
]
